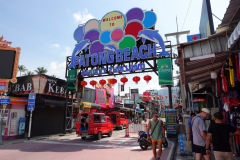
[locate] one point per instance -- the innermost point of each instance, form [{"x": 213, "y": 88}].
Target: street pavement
[{"x": 70, "y": 146}]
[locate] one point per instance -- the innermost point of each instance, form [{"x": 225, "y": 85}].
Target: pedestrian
[
  {"x": 157, "y": 135},
  {"x": 221, "y": 135},
  {"x": 200, "y": 134},
  {"x": 190, "y": 136}
]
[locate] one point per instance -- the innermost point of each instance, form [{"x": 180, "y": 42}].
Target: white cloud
[
  {"x": 57, "y": 69},
  {"x": 67, "y": 51},
  {"x": 56, "y": 45},
  {"x": 82, "y": 17}
]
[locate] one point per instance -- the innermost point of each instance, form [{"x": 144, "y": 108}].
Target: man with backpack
[{"x": 157, "y": 134}]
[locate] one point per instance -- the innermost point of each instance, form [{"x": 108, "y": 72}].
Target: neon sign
[{"x": 116, "y": 39}]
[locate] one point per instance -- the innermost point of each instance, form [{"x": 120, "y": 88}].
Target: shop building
[{"x": 49, "y": 112}]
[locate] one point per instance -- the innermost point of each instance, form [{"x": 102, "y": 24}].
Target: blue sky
[{"x": 44, "y": 29}]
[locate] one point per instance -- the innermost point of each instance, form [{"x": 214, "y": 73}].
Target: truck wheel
[
  {"x": 110, "y": 133},
  {"x": 83, "y": 138},
  {"x": 99, "y": 135}
]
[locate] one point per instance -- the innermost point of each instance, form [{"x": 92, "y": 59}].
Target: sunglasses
[{"x": 156, "y": 116}]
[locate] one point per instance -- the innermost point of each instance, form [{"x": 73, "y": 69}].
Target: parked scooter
[{"x": 144, "y": 143}]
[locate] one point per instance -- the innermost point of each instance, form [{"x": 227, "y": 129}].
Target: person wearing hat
[
  {"x": 157, "y": 136},
  {"x": 199, "y": 134}
]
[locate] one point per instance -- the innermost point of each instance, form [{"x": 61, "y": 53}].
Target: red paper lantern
[
  {"x": 93, "y": 83},
  {"x": 153, "y": 97},
  {"x": 149, "y": 97},
  {"x": 113, "y": 81},
  {"x": 159, "y": 104},
  {"x": 147, "y": 78},
  {"x": 156, "y": 104},
  {"x": 166, "y": 97},
  {"x": 136, "y": 79},
  {"x": 174, "y": 96},
  {"x": 83, "y": 83},
  {"x": 162, "y": 97},
  {"x": 158, "y": 97},
  {"x": 102, "y": 82},
  {"x": 123, "y": 80},
  {"x": 140, "y": 97}
]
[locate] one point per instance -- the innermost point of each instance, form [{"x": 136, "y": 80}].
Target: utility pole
[{"x": 182, "y": 87}]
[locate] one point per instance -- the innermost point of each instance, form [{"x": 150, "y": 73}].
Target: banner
[
  {"x": 165, "y": 71},
  {"x": 72, "y": 78}
]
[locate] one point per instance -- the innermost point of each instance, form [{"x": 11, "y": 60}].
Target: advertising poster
[
  {"x": 13, "y": 123},
  {"x": 135, "y": 95},
  {"x": 165, "y": 71},
  {"x": 171, "y": 121},
  {"x": 101, "y": 96},
  {"x": 72, "y": 78},
  {"x": 21, "y": 128}
]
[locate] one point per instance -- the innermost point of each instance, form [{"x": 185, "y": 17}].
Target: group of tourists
[{"x": 218, "y": 136}]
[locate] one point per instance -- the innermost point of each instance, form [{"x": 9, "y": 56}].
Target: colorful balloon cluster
[{"x": 115, "y": 30}]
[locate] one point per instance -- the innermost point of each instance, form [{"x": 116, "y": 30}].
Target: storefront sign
[
  {"x": 165, "y": 71},
  {"x": 39, "y": 84},
  {"x": 193, "y": 37},
  {"x": 5, "y": 101},
  {"x": 72, "y": 78},
  {"x": 114, "y": 40},
  {"x": 3, "y": 86},
  {"x": 135, "y": 95}
]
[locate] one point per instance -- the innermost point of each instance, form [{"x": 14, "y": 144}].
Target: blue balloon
[
  {"x": 105, "y": 37},
  {"x": 149, "y": 19},
  {"x": 78, "y": 34}
]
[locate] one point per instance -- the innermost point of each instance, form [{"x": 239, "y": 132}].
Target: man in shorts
[
  {"x": 199, "y": 134},
  {"x": 221, "y": 135},
  {"x": 157, "y": 136}
]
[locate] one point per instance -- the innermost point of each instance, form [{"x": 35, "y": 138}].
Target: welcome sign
[{"x": 115, "y": 39}]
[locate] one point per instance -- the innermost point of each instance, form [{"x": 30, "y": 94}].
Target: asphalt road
[{"x": 71, "y": 147}]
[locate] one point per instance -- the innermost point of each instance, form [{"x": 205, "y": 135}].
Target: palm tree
[
  {"x": 54, "y": 76},
  {"x": 21, "y": 68},
  {"x": 29, "y": 73},
  {"x": 41, "y": 70}
]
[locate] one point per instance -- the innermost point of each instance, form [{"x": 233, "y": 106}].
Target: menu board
[{"x": 171, "y": 121}]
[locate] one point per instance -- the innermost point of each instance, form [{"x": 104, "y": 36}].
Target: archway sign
[{"x": 118, "y": 44}]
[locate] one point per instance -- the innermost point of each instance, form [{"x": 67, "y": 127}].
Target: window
[
  {"x": 97, "y": 118},
  {"x": 108, "y": 120},
  {"x": 103, "y": 119},
  {"x": 90, "y": 118},
  {"x": 117, "y": 115},
  {"x": 122, "y": 116}
]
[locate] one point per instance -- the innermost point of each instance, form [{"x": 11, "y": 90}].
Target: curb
[{"x": 171, "y": 151}]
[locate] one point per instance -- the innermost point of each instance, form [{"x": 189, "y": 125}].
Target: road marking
[{"x": 83, "y": 144}]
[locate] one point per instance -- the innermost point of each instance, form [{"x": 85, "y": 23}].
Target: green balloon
[{"x": 127, "y": 42}]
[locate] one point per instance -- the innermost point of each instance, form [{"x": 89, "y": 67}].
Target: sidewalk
[{"x": 44, "y": 137}]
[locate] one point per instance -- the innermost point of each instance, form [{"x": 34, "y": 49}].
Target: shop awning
[
  {"x": 199, "y": 58},
  {"x": 233, "y": 41}
]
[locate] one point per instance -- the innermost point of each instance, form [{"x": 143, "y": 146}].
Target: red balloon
[
  {"x": 136, "y": 79},
  {"x": 102, "y": 82},
  {"x": 93, "y": 83},
  {"x": 123, "y": 80},
  {"x": 83, "y": 83}
]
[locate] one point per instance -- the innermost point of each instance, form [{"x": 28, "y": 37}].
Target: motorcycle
[{"x": 144, "y": 143}]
